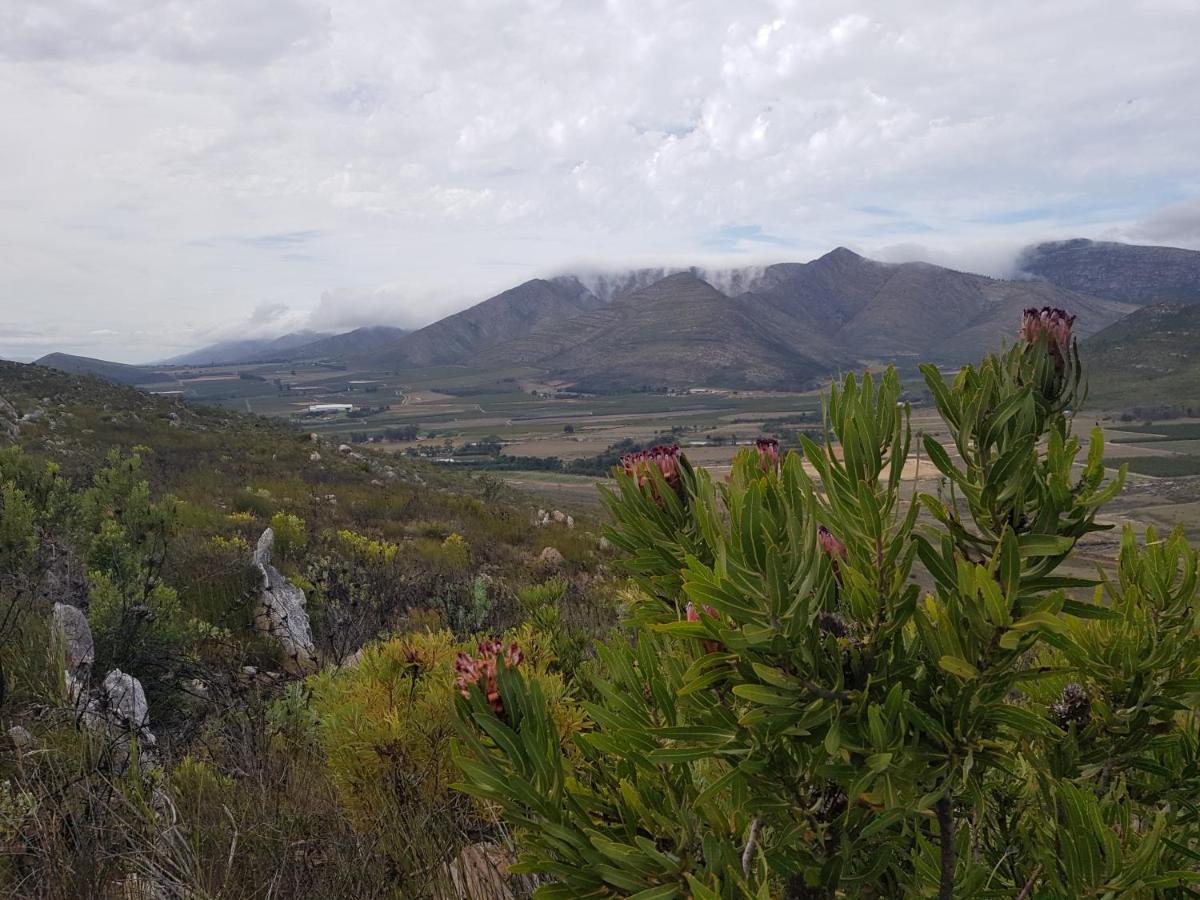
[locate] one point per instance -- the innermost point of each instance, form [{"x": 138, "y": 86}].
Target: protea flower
[
  {"x": 833, "y": 548},
  {"x": 1072, "y": 706},
  {"x": 481, "y": 669},
  {"x": 1055, "y": 324},
  {"x": 665, "y": 459},
  {"x": 768, "y": 453},
  {"x": 693, "y": 615}
]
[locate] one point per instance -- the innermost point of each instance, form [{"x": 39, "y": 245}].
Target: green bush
[
  {"x": 291, "y": 536},
  {"x": 797, "y": 717}
]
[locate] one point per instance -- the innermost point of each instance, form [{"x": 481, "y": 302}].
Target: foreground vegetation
[
  {"x": 743, "y": 690},
  {"x": 797, "y": 716}
]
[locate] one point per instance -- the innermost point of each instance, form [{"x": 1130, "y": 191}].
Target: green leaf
[{"x": 956, "y": 665}]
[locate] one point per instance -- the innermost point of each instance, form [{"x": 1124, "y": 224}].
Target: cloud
[
  {"x": 1178, "y": 224},
  {"x": 171, "y": 165}
]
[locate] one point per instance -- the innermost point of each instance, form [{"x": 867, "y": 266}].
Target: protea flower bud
[
  {"x": 693, "y": 615},
  {"x": 663, "y": 458},
  {"x": 1072, "y": 706},
  {"x": 768, "y": 453},
  {"x": 833, "y": 548},
  {"x": 1052, "y": 323},
  {"x": 831, "y": 623},
  {"x": 481, "y": 669}
]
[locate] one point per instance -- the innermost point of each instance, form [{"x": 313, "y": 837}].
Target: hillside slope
[
  {"x": 1128, "y": 272},
  {"x": 1151, "y": 357},
  {"x": 253, "y": 350},
  {"x": 678, "y": 332},
  {"x": 504, "y": 317},
  {"x": 798, "y": 323},
  {"x": 118, "y": 373}
]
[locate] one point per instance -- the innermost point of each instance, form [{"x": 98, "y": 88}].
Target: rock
[
  {"x": 250, "y": 670},
  {"x": 314, "y": 437},
  {"x": 281, "y": 612},
  {"x": 9, "y": 419},
  {"x": 558, "y": 516},
  {"x": 605, "y": 543},
  {"x": 570, "y": 521},
  {"x": 198, "y": 688},
  {"x": 126, "y": 706},
  {"x": 71, "y": 631},
  {"x": 550, "y": 557},
  {"x": 20, "y": 738},
  {"x": 119, "y": 713},
  {"x": 481, "y": 870},
  {"x": 344, "y": 448},
  {"x": 314, "y": 456}
]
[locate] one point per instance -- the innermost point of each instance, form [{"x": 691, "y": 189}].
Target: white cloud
[{"x": 169, "y": 167}]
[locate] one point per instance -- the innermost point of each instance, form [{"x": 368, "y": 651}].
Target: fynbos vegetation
[{"x": 827, "y": 693}]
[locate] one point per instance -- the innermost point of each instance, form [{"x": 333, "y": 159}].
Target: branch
[
  {"x": 945, "y": 817},
  {"x": 1025, "y": 891},
  {"x": 748, "y": 853}
]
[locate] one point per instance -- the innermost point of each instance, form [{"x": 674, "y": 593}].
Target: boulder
[
  {"x": 550, "y": 557},
  {"x": 118, "y": 713},
  {"x": 281, "y": 612},
  {"x": 314, "y": 456},
  {"x": 344, "y": 448},
  {"x": 71, "y": 631}
]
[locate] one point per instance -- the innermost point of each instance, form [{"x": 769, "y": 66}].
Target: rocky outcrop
[
  {"x": 9, "y": 419},
  {"x": 281, "y": 612},
  {"x": 119, "y": 714},
  {"x": 71, "y": 631}
]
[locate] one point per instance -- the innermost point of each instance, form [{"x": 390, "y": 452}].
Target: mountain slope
[
  {"x": 117, "y": 373},
  {"x": 678, "y": 332},
  {"x": 1150, "y": 357},
  {"x": 253, "y": 350},
  {"x": 354, "y": 343},
  {"x": 512, "y": 314},
  {"x": 797, "y": 322},
  {"x": 1129, "y": 272}
]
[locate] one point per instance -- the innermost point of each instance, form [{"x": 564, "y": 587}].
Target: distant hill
[
  {"x": 350, "y": 344},
  {"x": 247, "y": 351},
  {"x": 1151, "y": 357},
  {"x": 117, "y": 373},
  {"x": 504, "y": 317},
  {"x": 1128, "y": 272}
]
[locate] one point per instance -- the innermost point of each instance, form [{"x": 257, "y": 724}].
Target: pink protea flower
[
  {"x": 1055, "y": 324},
  {"x": 664, "y": 458},
  {"x": 768, "y": 453},
  {"x": 833, "y": 548},
  {"x": 481, "y": 669},
  {"x": 693, "y": 615}
]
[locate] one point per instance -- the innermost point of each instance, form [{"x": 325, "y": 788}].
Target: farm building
[{"x": 331, "y": 407}]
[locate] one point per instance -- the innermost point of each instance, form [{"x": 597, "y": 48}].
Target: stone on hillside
[
  {"x": 570, "y": 521},
  {"x": 314, "y": 437},
  {"x": 481, "y": 871},
  {"x": 344, "y": 448},
  {"x": 20, "y": 738},
  {"x": 550, "y": 557},
  {"x": 281, "y": 612},
  {"x": 9, "y": 417},
  {"x": 125, "y": 705},
  {"x": 314, "y": 456},
  {"x": 71, "y": 630}
]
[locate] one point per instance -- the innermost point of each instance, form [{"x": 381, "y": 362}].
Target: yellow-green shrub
[
  {"x": 291, "y": 536},
  {"x": 368, "y": 549},
  {"x": 385, "y": 724}
]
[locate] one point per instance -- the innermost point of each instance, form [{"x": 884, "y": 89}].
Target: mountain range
[{"x": 781, "y": 326}]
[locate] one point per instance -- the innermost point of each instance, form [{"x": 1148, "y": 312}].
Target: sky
[{"x": 175, "y": 172}]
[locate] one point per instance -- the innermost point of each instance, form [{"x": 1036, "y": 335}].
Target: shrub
[
  {"x": 291, "y": 537},
  {"x": 797, "y": 716},
  {"x": 384, "y": 728}
]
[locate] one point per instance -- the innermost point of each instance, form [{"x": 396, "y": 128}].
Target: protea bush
[{"x": 833, "y": 686}]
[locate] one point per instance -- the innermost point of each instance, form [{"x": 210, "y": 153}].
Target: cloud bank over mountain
[{"x": 169, "y": 168}]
